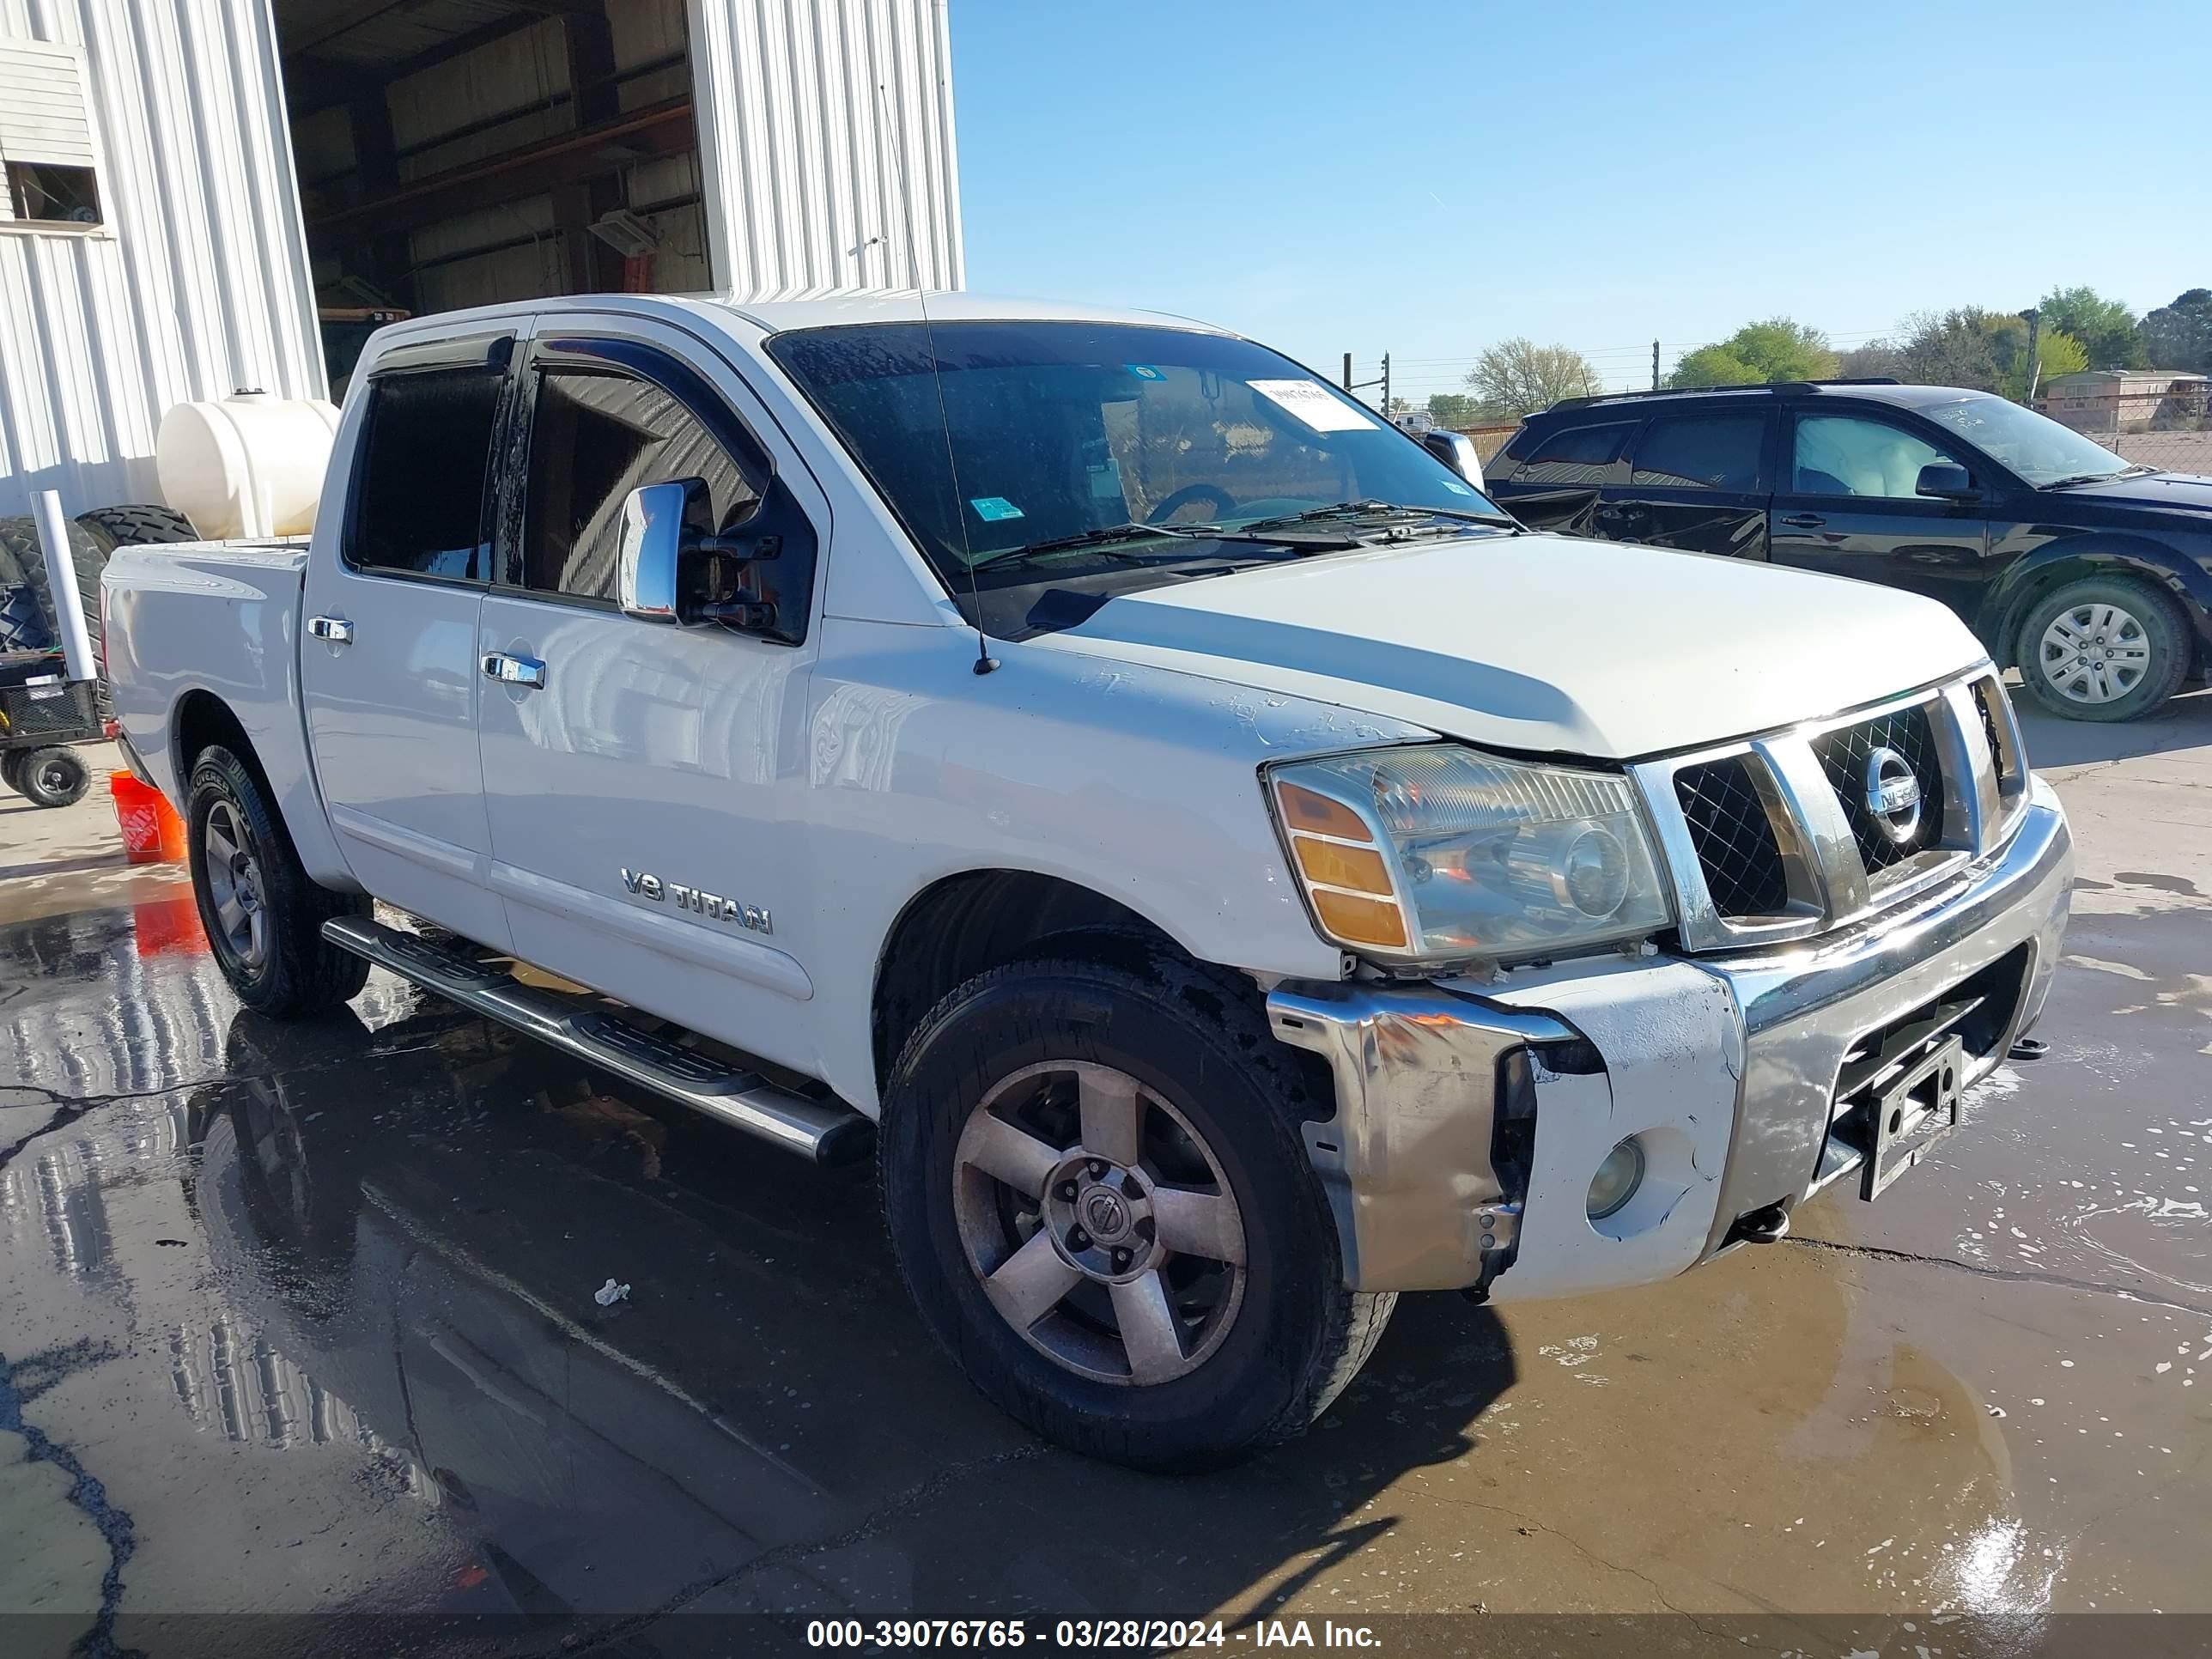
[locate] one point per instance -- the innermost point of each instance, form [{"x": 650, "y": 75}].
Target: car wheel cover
[
  {"x": 235, "y": 887},
  {"x": 1099, "y": 1223},
  {"x": 2095, "y": 651}
]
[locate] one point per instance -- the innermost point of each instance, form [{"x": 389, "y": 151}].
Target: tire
[
  {"x": 2142, "y": 628},
  {"x": 52, "y": 776},
  {"x": 11, "y": 768},
  {"x": 19, "y": 539},
  {"x": 279, "y": 966},
  {"x": 1216, "y": 1105},
  {"x": 135, "y": 526}
]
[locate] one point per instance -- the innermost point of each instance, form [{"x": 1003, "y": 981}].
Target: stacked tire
[{"x": 92, "y": 538}]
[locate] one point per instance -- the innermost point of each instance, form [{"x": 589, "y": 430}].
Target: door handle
[
  {"x": 337, "y": 629},
  {"x": 527, "y": 672},
  {"x": 1804, "y": 521}
]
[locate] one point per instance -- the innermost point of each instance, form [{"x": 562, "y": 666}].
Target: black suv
[{"x": 2092, "y": 575}]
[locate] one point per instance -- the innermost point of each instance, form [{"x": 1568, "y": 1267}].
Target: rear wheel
[
  {"x": 1097, "y": 1195},
  {"x": 2103, "y": 648},
  {"x": 263, "y": 913},
  {"x": 52, "y": 776}
]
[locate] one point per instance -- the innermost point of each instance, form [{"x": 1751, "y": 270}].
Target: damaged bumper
[{"x": 1471, "y": 1117}]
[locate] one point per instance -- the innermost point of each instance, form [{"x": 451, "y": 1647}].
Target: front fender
[{"x": 2073, "y": 555}]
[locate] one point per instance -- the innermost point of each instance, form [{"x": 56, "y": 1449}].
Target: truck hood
[{"x": 1543, "y": 643}]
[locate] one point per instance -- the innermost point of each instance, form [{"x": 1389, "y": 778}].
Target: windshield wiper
[
  {"x": 1368, "y": 509},
  {"x": 2097, "y": 478},
  {"x": 1101, "y": 539}
]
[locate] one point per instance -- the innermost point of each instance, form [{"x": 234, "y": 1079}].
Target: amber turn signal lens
[
  {"x": 1361, "y": 921},
  {"x": 1359, "y": 868},
  {"x": 1305, "y": 809}
]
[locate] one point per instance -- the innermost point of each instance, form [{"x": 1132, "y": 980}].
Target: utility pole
[
  {"x": 2035, "y": 351},
  {"x": 1655, "y": 365},
  {"x": 1347, "y": 371},
  {"x": 1386, "y": 385}
]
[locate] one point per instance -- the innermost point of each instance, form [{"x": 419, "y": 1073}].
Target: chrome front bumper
[{"x": 1725, "y": 1067}]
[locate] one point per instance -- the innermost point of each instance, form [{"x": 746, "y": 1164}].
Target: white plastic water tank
[{"x": 250, "y": 464}]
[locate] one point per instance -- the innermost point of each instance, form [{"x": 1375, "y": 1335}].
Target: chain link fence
[{"x": 2166, "y": 427}]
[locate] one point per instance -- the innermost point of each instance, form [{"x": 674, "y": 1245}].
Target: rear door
[
  {"x": 1848, "y": 505},
  {"x": 635, "y": 770},
  {"x": 1697, "y": 481},
  {"x": 387, "y": 667}
]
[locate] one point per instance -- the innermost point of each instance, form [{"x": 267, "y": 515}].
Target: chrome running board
[{"x": 826, "y": 1131}]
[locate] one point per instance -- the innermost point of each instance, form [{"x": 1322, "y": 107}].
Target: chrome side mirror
[
  {"x": 1456, "y": 450},
  {"x": 651, "y": 548}
]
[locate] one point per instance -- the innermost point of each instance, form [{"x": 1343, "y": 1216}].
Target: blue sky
[{"x": 1427, "y": 177}]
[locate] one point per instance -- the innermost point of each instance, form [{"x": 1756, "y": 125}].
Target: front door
[
  {"x": 388, "y": 664},
  {"x": 1697, "y": 483},
  {"x": 1850, "y": 506},
  {"x": 634, "y": 768}
]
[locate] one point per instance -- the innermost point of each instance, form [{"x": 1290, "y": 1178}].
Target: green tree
[
  {"x": 2180, "y": 336},
  {"x": 2106, "y": 328},
  {"x": 1454, "y": 409},
  {"x": 1775, "y": 349},
  {"x": 1955, "y": 348},
  {"x": 1518, "y": 377}
]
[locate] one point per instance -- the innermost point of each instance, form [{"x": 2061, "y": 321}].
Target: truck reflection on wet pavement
[{"x": 313, "y": 1306}]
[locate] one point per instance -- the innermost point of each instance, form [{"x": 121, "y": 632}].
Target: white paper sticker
[{"x": 1313, "y": 404}]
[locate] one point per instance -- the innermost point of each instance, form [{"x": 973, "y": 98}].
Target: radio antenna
[{"x": 985, "y": 662}]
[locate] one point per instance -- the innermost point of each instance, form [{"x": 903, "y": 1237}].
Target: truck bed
[{"x": 188, "y": 623}]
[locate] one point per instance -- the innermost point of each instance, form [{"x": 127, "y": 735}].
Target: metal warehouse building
[{"x": 208, "y": 195}]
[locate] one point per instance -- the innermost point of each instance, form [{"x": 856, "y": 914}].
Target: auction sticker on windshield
[{"x": 1313, "y": 404}]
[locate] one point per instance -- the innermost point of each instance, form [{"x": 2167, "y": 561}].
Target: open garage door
[{"x": 455, "y": 153}]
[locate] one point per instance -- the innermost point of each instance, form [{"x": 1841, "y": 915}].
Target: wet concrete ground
[{"x": 300, "y": 1319}]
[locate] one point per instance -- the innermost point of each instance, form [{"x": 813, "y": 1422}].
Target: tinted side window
[
  {"x": 419, "y": 506},
  {"x": 595, "y": 438},
  {"x": 1845, "y": 455},
  {"x": 1575, "y": 454},
  {"x": 1701, "y": 452}
]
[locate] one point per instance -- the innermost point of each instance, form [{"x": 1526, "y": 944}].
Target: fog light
[{"x": 1616, "y": 1179}]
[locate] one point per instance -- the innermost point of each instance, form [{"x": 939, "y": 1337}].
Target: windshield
[
  {"x": 1057, "y": 429},
  {"x": 2034, "y": 445}
]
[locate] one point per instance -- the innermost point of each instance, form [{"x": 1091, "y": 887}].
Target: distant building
[{"x": 2113, "y": 400}]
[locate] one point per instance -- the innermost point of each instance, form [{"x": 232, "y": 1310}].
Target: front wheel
[
  {"x": 1098, "y": 1197},
  {"x": 2103, "y": 648},
  {"x": 263, "y": 914}
]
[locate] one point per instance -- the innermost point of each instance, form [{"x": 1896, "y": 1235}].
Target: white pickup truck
[{"x": 1234, "y": 872}]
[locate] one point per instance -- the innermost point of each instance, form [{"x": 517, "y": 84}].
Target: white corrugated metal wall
[
  {"x": 198, "y": 282},
  {"x": 835, "y": 109}
]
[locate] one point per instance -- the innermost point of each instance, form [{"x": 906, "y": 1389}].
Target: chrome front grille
[
  {"x": 1735, "y": 844},
  {"x": 1845, "y": 754},
  {"x": 1785, "y": 836}
]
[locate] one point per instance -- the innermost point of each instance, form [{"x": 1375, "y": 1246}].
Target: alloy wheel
[
  {"x": 234, "y": 884},
  {"x": 2094, "y": 652},
  {"x": 1099, "y": 1222}
]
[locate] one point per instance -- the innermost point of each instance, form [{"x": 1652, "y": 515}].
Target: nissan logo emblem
[{"x": 1893, "y": 795}]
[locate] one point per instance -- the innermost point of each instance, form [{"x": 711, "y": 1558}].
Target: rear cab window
[
  {"x": 418, "y": 499},
  {"x": 1701, "y": 452}
]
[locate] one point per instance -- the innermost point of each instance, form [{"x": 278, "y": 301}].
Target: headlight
[{"x": 1440, "y": 853}]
